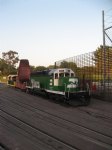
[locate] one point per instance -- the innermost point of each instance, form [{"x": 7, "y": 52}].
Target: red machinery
[{"x": 23, "y": 75}]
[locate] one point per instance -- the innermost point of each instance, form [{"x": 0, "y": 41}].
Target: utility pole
[
  {"x": 104, "y": 45},
  {"x": 104, "y": 53}
]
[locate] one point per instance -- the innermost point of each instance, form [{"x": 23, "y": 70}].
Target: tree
[
  {"x": 51, "y": 67},
  {"x": 11, "y": 57},
  {"x": 64, "y": 64},
  {"x": 71, "y": 65},
  {"x": 100, "y": 57},
  {"x": 4, "y": 68},
  {"x": 40, "y": 68},
  {"x": 8, "y": 62},
  {"x": 103, "y": 61},
  {"x": 32, "y": 68}
]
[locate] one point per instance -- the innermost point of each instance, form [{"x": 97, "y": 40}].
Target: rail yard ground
[{"x": 29, "y": 122}]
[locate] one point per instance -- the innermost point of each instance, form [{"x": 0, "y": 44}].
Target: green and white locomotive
[{"x": 61, "y": 84}]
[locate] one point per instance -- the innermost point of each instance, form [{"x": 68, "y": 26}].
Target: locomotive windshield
[
  {"x": 61, "y": 72},
  {"x": 67, "y": 74}
]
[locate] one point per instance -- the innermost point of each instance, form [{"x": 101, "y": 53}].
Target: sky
[{"x": 45, "y": 31}]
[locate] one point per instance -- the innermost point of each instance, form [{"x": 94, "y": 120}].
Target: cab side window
[{"x": 56, "y": 76}]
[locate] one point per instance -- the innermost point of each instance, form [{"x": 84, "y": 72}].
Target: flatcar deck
[{"x": 30, "y": 122}]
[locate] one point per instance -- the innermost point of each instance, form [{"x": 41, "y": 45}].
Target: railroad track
[
  {"x": 48, "y": 141},
  {"x": 2, "y": 147},
  {"x": 98, "y": 114},
  {"x": 79, "y": 136}
]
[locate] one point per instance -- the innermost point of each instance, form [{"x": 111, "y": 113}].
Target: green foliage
[
  {"x": 103, "y": 61},
  {"x": 3, "y": 78},
  {"x": 8, "y": 63},
  {"x": 97, "y": 77},
  {"x": 51, "y": 67},
  {"x": 6, "y": 69},
  {"x": 11, "y": 57},
  {"x": 71, "y": 65},
  {"x": 64, "y": 64},
  {"x": 32, "y": 68},
  {"x": 100, "y": 57},
  {"x": 40, "y": 68}
]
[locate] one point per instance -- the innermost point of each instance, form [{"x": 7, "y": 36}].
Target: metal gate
[{"x": 94, "y": 68}]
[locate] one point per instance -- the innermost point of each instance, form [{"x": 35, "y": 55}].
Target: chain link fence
[{"x": 94, "y": 68}]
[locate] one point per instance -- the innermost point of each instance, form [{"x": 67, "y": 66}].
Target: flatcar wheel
[{"x": 27, "y": 91}]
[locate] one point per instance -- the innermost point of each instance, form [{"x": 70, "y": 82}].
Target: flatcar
[{"x": 11, "y": 80}]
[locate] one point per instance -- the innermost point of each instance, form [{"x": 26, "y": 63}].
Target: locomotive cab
[
  {"x": 64, "y": 82},
  {"x": 60, "y": 73}
]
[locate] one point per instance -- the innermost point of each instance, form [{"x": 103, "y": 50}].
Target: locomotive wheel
[{"x": 86, "y": 100}]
